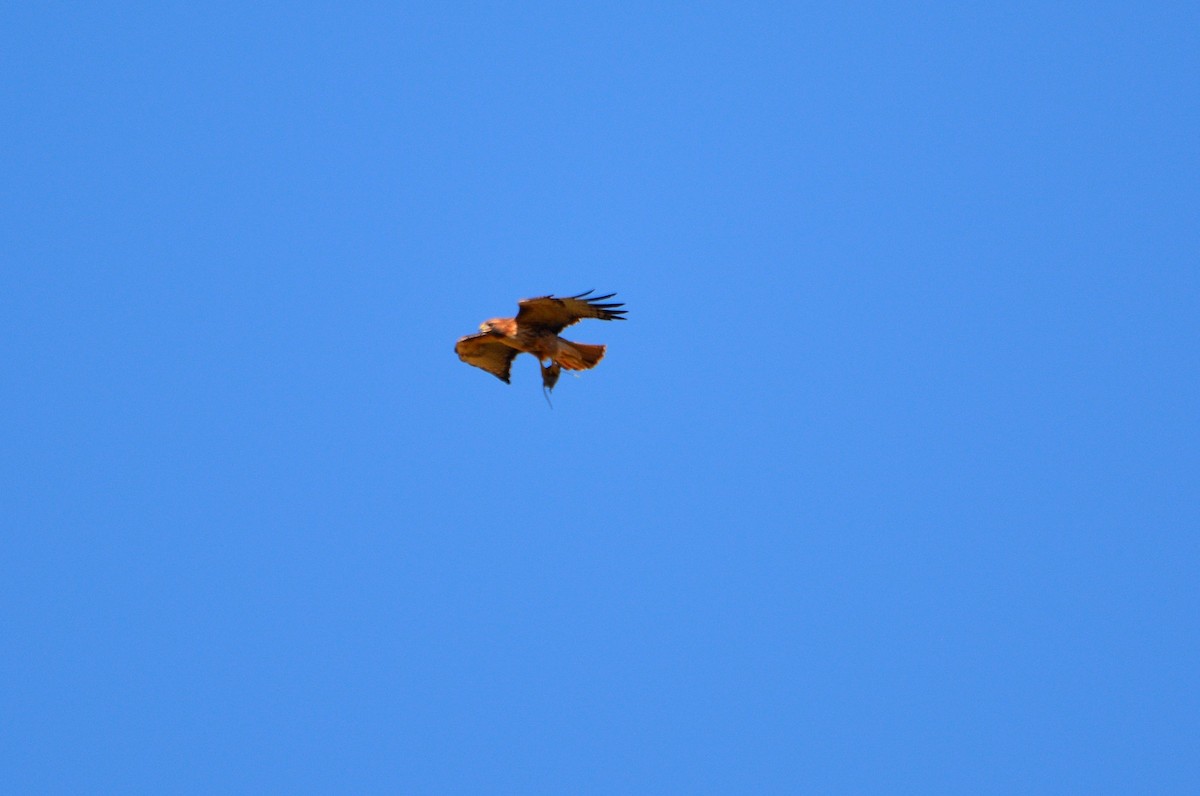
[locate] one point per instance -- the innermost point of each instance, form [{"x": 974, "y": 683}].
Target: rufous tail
[{"x": 588, "y": 356}]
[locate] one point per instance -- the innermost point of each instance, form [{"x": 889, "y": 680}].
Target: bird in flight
[{"x": 535, "y": 331}]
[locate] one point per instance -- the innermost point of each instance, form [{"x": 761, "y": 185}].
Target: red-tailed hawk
[{"x": 535, "y": 331}]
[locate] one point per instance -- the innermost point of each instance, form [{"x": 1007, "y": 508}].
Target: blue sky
[{"x": 888, "y": 484}]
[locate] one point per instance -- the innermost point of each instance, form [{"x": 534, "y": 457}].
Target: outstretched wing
[
  {"x": 555, "y": 314},
  {"x": 482, "y": 351}
]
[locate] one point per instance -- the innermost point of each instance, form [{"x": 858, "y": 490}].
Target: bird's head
[{"x": 492, "y": 327}]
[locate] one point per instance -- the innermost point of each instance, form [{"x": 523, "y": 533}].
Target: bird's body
[{"x": 535, "y": 331}]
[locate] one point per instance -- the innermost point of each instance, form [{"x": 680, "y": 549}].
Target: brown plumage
[{"x": 535, "y": 331}]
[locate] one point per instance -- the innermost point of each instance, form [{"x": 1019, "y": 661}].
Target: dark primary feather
[{"x": 553, "y": 314}]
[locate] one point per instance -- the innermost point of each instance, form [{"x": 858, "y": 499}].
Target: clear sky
[{"x": 888, "y": 484}]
